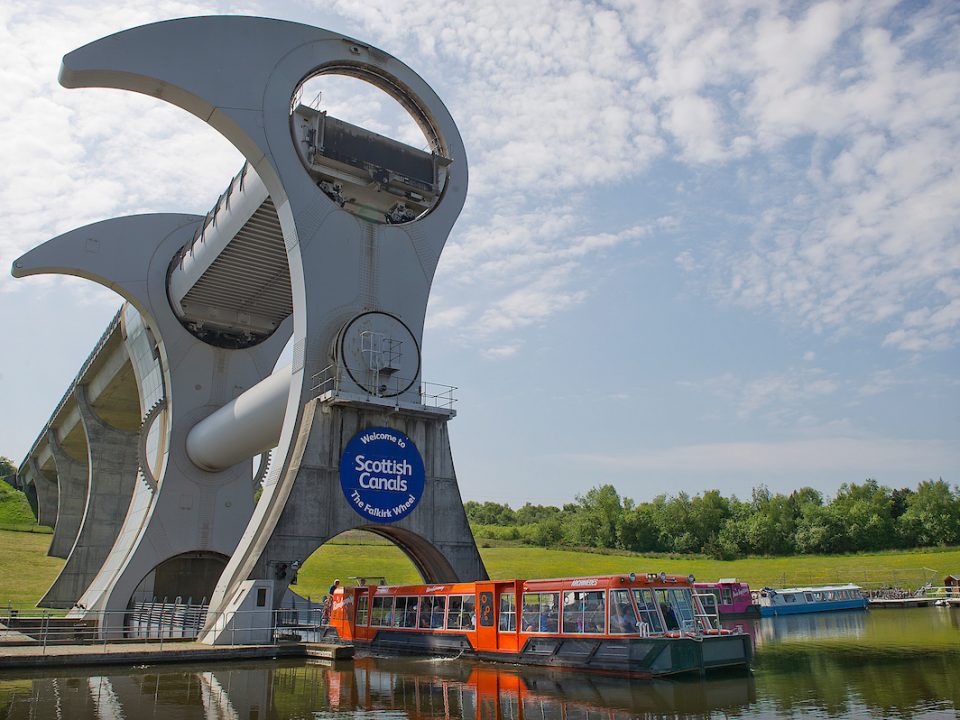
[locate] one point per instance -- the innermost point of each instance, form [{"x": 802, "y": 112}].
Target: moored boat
[
  {"x": 729, "y": 597},
  {"x": 793, "y": 601},
  {"x": 647, "y": 625}
]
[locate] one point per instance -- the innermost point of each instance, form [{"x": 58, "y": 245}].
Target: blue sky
[{"x": 707, "y": 245}]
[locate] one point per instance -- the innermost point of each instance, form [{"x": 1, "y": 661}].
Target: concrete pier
[
  {"x": 112, "y": 471},
  {"x": 71, "y": 501}
]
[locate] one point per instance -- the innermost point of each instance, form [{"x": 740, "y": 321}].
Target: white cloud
[
  {"x": 849, "y": 457},
  {"x": 836, "y": 122},
  {"x": 500, "y": 352},
  {"x": 78, "y": 156},
  {"x": 847, "y": 113},
  {"x": 780, "y": 398}
]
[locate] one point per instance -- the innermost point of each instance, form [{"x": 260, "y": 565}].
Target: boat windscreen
[
  {"x": 647, "y": 608},
  {"x": 623, "y": 618},
  {"x": 676, "y": 604}
]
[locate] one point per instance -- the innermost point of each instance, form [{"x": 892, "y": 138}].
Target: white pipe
[{"x": 246, "y": 426}]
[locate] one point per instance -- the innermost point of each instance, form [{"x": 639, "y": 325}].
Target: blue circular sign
[{"x": 381, "y": 474}]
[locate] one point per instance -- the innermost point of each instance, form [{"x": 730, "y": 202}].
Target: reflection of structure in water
[
  {"x": 820, "y": 626},
  {"x": 449, "y": 690}
]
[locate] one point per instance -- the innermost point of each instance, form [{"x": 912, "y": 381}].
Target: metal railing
[
  {"x": 338, "y": 379},
  {"x": 167, "y": 620},
  {"x": 706, "y": 615},
  {"x": 158, "y": 623}
]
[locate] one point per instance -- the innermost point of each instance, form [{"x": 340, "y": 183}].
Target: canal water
[{"x": 876, "y": 664}]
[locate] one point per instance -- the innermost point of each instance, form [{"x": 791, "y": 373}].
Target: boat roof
[
  {"x": 567, "y": 583},
  {"x": 817, "y": 588}
]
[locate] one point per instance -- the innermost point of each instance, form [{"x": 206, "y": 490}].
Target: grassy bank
[
  {"x": 905, "y": 569},
  {"x": 25, "y": 569},
  {"x": 15, "y": 511},
  {"x": 26, "y": 572}
]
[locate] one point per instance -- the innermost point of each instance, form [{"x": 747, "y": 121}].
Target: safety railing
[
  {"x": 163, "y": 619},
  {"x": 706, "y": 614},
  {"x": 338, "y": 379},
  {"x": 158, "y": 623}
]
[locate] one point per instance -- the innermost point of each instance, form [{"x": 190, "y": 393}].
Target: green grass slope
[
  {"x": 373, "y": 557},
  {"x": 26, "y": 572},
  {"x": 25, "y": 569},
  {"x": 15, "y": 511}
]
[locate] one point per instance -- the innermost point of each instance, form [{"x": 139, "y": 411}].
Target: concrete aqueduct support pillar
[
  {"x": 71, "y": 500},
  {"x": 47, "y": 494},
  {"x": 112, "y": 460}
]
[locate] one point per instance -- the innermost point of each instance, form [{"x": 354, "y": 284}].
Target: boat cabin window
[
  {"x": 623, "y": 618},
  {"x": 647, "y": 608},
  {"x": 461, "y": 613},
  {"x": 382, "y": 613},
  {"x": 727, "y": 596},
  {"x": 540, "y": 612},
  {"x": 710, "y": 599},
  {"x": 584, "y": 611},
  {"x": 676, "y": 606},
  {"x": 808, "y": 596},
  {"x": 432, "y": 610},
  {"x": 789, "y": 598},
  {"x": 508, "y": 612},
  {"x": 363, "y": 605},
  {"x": 405, "y": 612}
]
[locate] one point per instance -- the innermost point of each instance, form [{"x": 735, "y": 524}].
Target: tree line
[{"x": 860, "y": 517}]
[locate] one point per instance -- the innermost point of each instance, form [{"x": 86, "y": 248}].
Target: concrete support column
[
  {"x": 47, "y": 494},
  {"x": 30, "y": 490},
  {"x": 112, "y": 461},
  {"x": 71, "y": 498}
]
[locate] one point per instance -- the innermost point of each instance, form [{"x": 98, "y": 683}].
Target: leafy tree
[
  {"x": 866, "y": 512},
  {"x": 529, "y": 514},
  {"x": 708, "y": 513},
  {"x": 637, "y": 529},
  {"x": 7, "y": 467},
  {"x": 771, "y": 524},
  {"x": 489, "y": 513},
  {"x": 932, "y": 516},
  {"x": 595, "y": 524}
]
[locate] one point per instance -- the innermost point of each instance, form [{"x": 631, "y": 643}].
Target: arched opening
[
  {"x": 371, "y": 554},
  {"x": 354, "y": 554},
  {"x": 191, "y": 577}
]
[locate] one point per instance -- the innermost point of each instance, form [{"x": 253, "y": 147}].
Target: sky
[{"x": 706, "y": 245}]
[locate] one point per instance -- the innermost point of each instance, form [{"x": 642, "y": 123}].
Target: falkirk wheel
[{"x": 338, "y": 231}]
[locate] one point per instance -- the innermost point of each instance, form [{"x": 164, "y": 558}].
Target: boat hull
[
  {"x": 814, "y": 607},
  {"x": 648, "y": 657},
  {"x": 750, "y": 611}
]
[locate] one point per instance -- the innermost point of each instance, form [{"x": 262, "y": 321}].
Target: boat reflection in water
[
  {"x": 850, "y": 624},
  {"x": 409, "y": 689}
]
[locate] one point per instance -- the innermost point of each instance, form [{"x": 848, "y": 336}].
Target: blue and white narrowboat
[{"x": 794, "y": 601}]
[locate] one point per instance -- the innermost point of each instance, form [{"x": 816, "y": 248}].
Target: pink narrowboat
[{"x": 729, "y": 598}]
